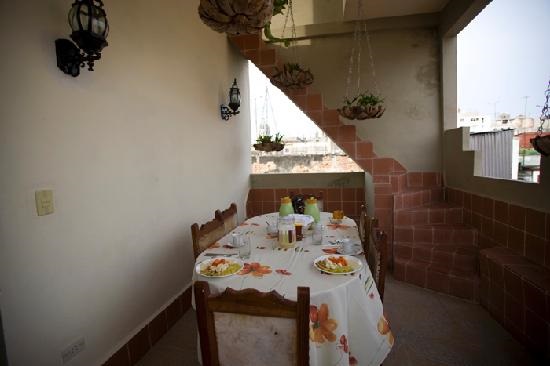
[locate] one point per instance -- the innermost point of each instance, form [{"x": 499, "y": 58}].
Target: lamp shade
[
  {"x": 88, "y": 21},
  {"x": 234, "y": 96}
]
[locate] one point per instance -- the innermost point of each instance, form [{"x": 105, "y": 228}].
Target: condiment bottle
[
  {"x": 287, "y": 232},
  {"x": 312, "y": 209},
  {"x": 286, "y": 207}
]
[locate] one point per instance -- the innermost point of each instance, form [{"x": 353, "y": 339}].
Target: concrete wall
[
  {"x": 135, "y": 153},
  {"x": 407, "y": 64},
  {"x": 463, "y": 168}
]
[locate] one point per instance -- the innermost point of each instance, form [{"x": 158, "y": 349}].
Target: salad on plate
[
  {"x": 337, "y": 264},
  {"x": 219, "y": 267}
]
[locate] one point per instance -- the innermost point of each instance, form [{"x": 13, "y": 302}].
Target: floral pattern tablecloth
[{"x": 347, "y": 325}]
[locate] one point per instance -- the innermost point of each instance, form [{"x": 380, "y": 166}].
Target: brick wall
[
  {"x": 266, "y": 200},
  {"x": 525, "y": 139}
]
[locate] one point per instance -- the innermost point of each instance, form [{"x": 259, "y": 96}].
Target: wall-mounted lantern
[
  {"x": 234, "y": 102},
  {"x": 90, "y": 28}
]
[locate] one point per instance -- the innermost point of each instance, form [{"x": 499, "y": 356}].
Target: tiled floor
[{"x": 430, "y": 329}]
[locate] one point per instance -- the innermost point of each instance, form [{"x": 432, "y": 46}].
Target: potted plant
[
  {"x": 541, "y": 142},
  {"x": 292, "y": 76},
  {"x": 267, "y": 143},
  {"x": 363, "y": 106}
]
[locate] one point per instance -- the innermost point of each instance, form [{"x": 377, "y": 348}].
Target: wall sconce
[
  {"x": 234, "y": 102},
  {"x": 90, "y": 28}
]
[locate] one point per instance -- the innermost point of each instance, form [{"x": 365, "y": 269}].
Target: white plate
[
  {"x": 207, "y": 262},
  {"x": 305, "y": 219},
  {"x": 336, "y": 221},
  {"x": 354, "y": 262},
  {"x": 357, "y": 249}
]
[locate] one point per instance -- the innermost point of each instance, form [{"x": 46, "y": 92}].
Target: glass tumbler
[
  {"x": 318, "y": 234},
  {"x": 244, "y": 249}
]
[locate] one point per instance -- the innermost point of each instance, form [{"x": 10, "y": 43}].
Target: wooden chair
[
  {"x": 377, "y": 258},
  {"x": 375, "y": 247},
  {"x": 229, "y": 217},
  {"x": 235, "y": 310},
  {"x": 206, "y": 235}
]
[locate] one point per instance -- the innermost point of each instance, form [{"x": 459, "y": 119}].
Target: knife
[{"x": 219, "y": 254}]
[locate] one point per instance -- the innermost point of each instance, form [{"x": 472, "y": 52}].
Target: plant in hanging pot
[
  {"x": 362, "y": 106},
  {"x": 292, "y": 76},
  {"x": 267, "y": 143},
  {"x": 236, "y": 17},
  {"x": 541, "y": 142}
]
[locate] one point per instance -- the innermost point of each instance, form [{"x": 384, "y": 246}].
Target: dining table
[{"x": 347, "y": 325}]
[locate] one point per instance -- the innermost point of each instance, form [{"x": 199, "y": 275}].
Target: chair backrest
[
  {"x": 377, "y": 256},
  {"x": 253, "y": 319},
  {"x": 363, "y": 226},
  {"x": 375, "y": 247},
  {"x": 206, "y": 235},
  {"x": 229, "y": 217}
]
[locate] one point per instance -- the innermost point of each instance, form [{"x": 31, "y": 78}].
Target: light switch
[{"x": 44, "y": 202}]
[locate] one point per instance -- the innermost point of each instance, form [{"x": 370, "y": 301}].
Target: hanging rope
[
  {"x": 355, "y": 56},
  {"x": 545, "y": 112},
  {"x": 371, "y": 56},
  {"x": 362, "y": 105},
  {"x": 292, "y": 75}
]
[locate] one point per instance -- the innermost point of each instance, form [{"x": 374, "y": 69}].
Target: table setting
[{"x": 347, "y": 324}]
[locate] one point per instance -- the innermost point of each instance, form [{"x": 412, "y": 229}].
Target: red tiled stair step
[
  {"x": 442, "y": 234},
  {"x": 432, "y": 213},
  {"x": 459, "y": 257},
  {"x": 438, "y": 278},
  {"x": 417, "y": 197}
]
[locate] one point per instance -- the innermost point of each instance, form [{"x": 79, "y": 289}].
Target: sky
[
  {"x": 504, "y": 56},
  {"x": 283, "y": 115}
]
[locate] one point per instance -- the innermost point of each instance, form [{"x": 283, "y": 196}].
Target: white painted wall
[
  {"x": 462, "y": 169},
  {"x": 135, "y": 153}
]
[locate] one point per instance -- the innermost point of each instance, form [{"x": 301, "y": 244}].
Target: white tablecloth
[{"x": 347, "y": 325}]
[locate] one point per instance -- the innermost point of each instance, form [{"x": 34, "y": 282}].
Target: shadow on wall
[{"x": 3, "y": 353}]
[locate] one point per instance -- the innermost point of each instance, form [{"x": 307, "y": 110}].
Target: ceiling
[
  {"x": 307, "y": 12},
  {"x": 390, "y": 8}
]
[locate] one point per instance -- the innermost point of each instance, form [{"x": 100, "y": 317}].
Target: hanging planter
[
  {"x": 363, "y": 106},
  {"x": 267, "y": 144},
  {"x": 236, "y": 17},
  {"x": 542, "y": 143},
  {"x": 292, "y": 76}
]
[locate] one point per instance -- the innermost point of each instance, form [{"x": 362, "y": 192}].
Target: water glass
[
  {"x": 236, "y": 240},
  {"x": 244, "y": 249},
  {"x": 317, "y": 234}
]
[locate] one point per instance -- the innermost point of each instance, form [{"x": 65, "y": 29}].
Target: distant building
[{"x": 476, "y": 121}]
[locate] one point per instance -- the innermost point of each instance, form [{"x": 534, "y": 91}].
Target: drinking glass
[
  {"x": 317, "y": 234},
  {"x": 244, "y": 249}
]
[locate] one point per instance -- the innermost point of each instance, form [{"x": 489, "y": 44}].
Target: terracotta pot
[{"x": 542, "y": 144}]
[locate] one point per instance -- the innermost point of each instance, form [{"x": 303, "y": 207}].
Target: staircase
[
  {"x": 433, "y": 248},
  {"x": 429, "y": 244}
]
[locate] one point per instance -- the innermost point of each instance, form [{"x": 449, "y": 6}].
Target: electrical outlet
[{"x": 72, "y": 350}]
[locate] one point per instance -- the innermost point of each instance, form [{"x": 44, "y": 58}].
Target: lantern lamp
[
  {"x": 89, "y": 26},
  {"x": 234, "y": 102}
]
